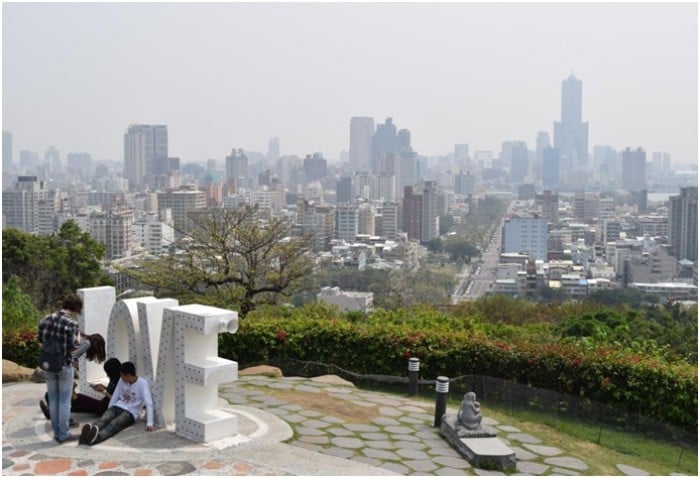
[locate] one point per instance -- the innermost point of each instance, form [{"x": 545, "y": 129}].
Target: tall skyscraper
[
  {"x": 518, "y": 163},
  {"x": 273, "y": 151},
  {"x": 683, "y": 224},
  {"x": 386, "y": 140},
  {"x": 315, "y": 167},
  {"x": 142, "y": 143},
  {"x": 570, "y": 134},
  {"x": 634, "y": 165},
  {"x": 361, "y": 131},
  {"x": 550, "y": 168},
  {"x": 236, "y": 169}
]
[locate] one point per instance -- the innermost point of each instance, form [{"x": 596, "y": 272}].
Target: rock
[
  {"x": 11, "y": 372},
  {"x": 266, "y": 370},
  {"x": 333, "y": 380},
  {"x": 38, "y": 376}
]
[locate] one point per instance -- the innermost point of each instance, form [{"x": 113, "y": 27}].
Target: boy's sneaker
[
  {"x": 83, "y": 440},
  {"x": 92, "y": 436},
  {"x": 45, "y": 409}
]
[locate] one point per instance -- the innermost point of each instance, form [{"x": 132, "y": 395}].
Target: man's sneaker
[
  {"x": 83, "y": 440},
  {"x": 45, "y": 409},
  {"x": 67, "y": 439},
  {"x": 92, "y": 436}
]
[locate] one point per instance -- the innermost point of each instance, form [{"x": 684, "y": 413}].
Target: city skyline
[{"x": 75, "y": 76}]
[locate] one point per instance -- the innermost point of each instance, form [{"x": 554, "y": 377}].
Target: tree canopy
[
  {"x": 52, "y": 266},
  {"x": 229, "y": 257}
]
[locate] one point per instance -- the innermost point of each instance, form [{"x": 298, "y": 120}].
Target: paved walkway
[{"x": 360, "y": 433}]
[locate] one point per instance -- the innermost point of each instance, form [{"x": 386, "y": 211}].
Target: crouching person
[{"x": 124, "y": 408}]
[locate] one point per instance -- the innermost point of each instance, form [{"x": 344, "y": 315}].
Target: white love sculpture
[{"x": 175, "y": 348}]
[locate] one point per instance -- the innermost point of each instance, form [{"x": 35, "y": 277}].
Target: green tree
[
  {"x": 459, "y": 248},
  {"x": 52, "y": 266},
  {"x": 17, "y": 307},
  {"x": 230, "y": 257}
]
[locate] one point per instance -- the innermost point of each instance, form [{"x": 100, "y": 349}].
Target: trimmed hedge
[{"x": 663, "y": 391}]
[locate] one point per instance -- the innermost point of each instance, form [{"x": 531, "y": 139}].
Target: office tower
[
  {"x": 461, "y": 155},
  {"x": 165, "y": 172},
  {"x": 541, "y": 143},
  {"x": 465, "y": 184},
  {"x": 142, "y": 143},
  {"x": 343, "y": 190},
  {"x": 634, "y": 169},
  {"x": 385, "y": 140},
  {"x": 315, "y": 167},
  {"x": 28, "y": 161},
  {"x": 661, "y": 163},
  {"x": 273, "y": 151},
  {"x": 506, "y": 156},
  {"x": 570, "y": 134},
  {"x": 236, "y": 169},
  {"x": 683, "y": 224},
  {"x": 550, "y": 168},
  {"x": 79, "y": 164},
  {"x": 182, "y": 202},
  {"x": 6, "y": 152},
  {"x": 20, "y": 205},
  {"x": 346, "y": 221},
  {"x": 52, "y": 160},
  {"x": 361, "y": 131},
  {"x": 526, "y": 234},
  {"x": 605, "y": 159},
  {"x": 518, "y": 162}
]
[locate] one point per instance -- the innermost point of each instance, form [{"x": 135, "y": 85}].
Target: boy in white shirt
[{"x": 124, "y": 408}]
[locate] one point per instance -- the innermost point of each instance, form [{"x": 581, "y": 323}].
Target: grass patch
[{"x": 323, "y": 402}]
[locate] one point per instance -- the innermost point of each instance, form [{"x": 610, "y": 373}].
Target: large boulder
[
  {"x": 11, "y": 372},
  {"x": 266, "y": 370}
]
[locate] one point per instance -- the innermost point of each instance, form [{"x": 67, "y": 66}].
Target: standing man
[{"x": 59, "y": 385}]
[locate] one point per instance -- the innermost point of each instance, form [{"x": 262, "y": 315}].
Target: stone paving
[{"x": 391, "y": 433}]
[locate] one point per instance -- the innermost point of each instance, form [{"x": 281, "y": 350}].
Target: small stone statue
[{"x": 469, "y": 415}]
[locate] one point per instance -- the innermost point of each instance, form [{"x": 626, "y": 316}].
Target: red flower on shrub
[
  {"x": 605, "y": 383},
  {"x": 576, "y": 362},
  {"x": 282, "y": 336},
  {"x": 532, "y": 362},
  {"x": 407, "y": 354}
]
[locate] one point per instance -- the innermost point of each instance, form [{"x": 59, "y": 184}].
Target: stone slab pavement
[{"x": 278, "y": 434}]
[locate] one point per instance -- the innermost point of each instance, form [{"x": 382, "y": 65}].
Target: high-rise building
[
  {"x": 390, "y": 220},
  {"x": 361, "y": 131},
  {"x": 386, "y": 140},
  {"x": 273, "y": 151},
  {"x": 343, "y": 190},
  {"x": 526, "y": 234},
  {"x": 142, "y": 143},
  {"x": 113, "y": 229},
  {"x": 634, "y": 165},
  {"x": 365, "y": 219},
  {"x": 20, "y": 205},
  {"x": 550, "y": 168},
  {"x": 550, "y": 205},
  {"x": 461, "y": 155},
  {"x": 570, "y": 134},
  {"x": 52, "y": 160},
  {"x": 315, "y": 167},
  {"x": 236, "y": 169},
  {"x": 518, "y": 163},
  {"x": 420, "y": 214},
  {"x": 683, "y": 224}
]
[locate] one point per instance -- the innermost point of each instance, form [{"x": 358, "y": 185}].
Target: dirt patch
[{"x": 327, "y": 404}]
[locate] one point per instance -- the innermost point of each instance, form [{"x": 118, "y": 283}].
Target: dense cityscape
[{"x": 576, "y": 219}]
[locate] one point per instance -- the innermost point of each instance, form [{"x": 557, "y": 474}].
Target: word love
[{"x": 175, "y": 347}]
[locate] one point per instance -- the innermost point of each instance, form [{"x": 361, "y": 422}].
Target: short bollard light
[
  {"x": 442, "y": 387},
  {"x": 413, "y": 370}
]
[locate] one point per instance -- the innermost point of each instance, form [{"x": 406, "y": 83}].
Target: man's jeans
[
  {"x": 59, "y": 386},
  {"x": 112, "y": 421}
]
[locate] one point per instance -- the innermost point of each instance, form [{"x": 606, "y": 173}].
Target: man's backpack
[{"x": 52, "y": 356}]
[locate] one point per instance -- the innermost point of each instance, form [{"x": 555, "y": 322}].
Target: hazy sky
[{"x": 234, "y": 75}]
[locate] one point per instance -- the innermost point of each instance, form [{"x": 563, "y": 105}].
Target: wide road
[{"x": 483, "y": 274}]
